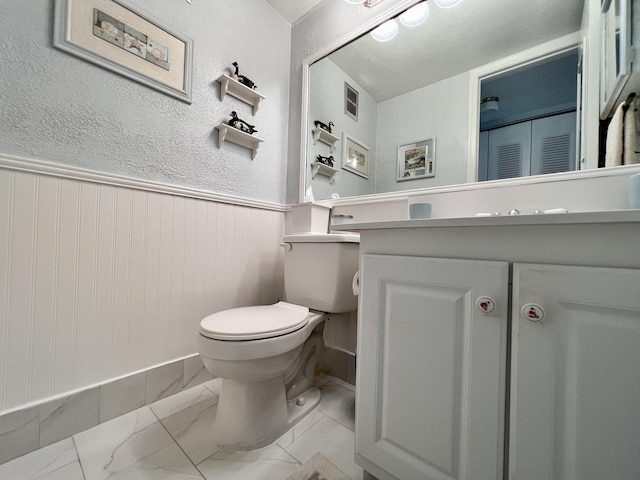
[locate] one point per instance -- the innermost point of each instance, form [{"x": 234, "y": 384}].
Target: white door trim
[{"x": 506, "y": 64}]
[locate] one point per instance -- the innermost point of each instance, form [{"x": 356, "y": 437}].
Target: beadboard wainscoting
[{"x": 102, "y": 276}]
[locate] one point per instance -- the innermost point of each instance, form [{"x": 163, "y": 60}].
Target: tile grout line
[
  {"x": 84, "y": 476},
  {"x": 131, "y": 435},
  {"x": 322, "y": 415},
  {"x": 178, "y": 445}
]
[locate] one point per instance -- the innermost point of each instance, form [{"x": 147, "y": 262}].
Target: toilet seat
[{"x": 254, "y": 323}]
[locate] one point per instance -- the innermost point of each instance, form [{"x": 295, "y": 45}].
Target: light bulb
[
  {"x": 447, "y": 3},
  {"x": 415, "y": 15},
  {"x": 386, "y": 31}
]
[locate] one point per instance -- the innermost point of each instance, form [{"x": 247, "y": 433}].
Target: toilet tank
[{"x": 319, "y": 271}]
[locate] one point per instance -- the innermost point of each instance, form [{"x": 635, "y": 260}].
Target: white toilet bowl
[
  {"x": 254, "y": 408},
  {"x": 266, "y": 355}
]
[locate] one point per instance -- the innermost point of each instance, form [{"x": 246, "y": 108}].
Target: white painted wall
[
  {"x": 57, "y": 107},
  {"x": 326, "y": 103},
  {"x": 98, "y": 281},
  {"x": 439, "y": 111}
]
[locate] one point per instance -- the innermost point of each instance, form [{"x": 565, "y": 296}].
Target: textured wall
[{"x": 57, "y": 107}]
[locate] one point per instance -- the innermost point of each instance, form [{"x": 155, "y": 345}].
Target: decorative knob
[
  {"x": 485, "y": 304},
  {"x": 533, "y": 313}
]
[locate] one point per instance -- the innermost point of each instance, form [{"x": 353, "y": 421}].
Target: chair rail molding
[{"x": 45, "y": 167}]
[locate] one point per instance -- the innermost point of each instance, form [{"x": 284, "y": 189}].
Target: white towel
[
  {"x": 629, "y": 156},
  {"x": 613, "y": 152}
]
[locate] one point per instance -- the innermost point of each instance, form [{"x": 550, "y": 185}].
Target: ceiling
[
  {"x": 292, "y": 10},
  {"x": 455, "y": 40}
]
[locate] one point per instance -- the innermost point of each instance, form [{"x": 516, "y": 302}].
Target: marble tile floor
[{"x": 169, "y": 440}]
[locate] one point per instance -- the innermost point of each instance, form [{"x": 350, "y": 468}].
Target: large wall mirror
[{"x": 399, "y": 110}]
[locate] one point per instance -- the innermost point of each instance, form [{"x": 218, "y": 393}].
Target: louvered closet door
[
  {"x": 510, "y": 151},
  {"x": 553, "y": 144}
]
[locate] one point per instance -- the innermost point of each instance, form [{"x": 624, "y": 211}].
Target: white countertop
[{"x": 612, "y": 216}]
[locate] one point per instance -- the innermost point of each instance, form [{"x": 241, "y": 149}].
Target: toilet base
[
  {"x": 251, "y": 415},
  {"x": 311, "y": 399}
]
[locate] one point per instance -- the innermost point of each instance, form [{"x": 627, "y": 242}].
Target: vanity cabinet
[
  {"x": 487, "y": 350},
  {"x": 575, "y": 376},
  {"x": 431, "y": 367},
  {"x": 432, "y": 399}
]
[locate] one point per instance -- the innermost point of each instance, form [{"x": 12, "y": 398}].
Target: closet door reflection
[{"x": 541, "y": 146}]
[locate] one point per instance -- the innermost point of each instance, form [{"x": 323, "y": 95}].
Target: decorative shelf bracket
[
  {"x": 234, "y": 88},
  {"x": 325, "y": 137},
  {"x": 322, "y": 169},
  {"x": 233, "y": 135}
]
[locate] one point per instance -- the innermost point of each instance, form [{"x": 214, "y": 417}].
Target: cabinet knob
[
  {"x": 532, "y": 312},
  {"x": 485, "y": 304}
]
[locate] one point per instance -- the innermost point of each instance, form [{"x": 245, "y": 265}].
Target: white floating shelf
[
  {"x": 322, "y": 169},
  {"x": 240, "y": 91},
  {"x": 325, "y": 137},
  {"x": 238, "y": 137}
]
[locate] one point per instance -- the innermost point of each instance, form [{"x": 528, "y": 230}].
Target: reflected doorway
[{"x": 528, "y": 119}]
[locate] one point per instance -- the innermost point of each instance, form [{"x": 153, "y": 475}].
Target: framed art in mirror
[
  {"x": 115, "y": 36},
  {"x": 416, "y": 160},
  {"x": 355, "y": 156}
]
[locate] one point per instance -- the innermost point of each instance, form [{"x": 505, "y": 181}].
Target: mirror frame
[
  {"x": 514, "y": 62},
  {"x": 383, "y": 16},
  {"x": 589, "y": 42}
]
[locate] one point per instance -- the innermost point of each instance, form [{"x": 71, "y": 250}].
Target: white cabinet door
[
  {"x": 431, "y": 368},
  {"x": 575, "y": 375}
]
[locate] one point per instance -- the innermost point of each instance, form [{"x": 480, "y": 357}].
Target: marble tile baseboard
[
  {"x": 339, "y": 364},
  {"x": 171, "y": 439},
  {"x": 27, "y": 429}
]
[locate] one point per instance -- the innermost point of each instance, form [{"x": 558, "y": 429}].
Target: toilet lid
[{"x": 252, "y": 323}]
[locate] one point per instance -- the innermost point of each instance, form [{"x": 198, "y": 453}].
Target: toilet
[{"x": 266, "y": 355}]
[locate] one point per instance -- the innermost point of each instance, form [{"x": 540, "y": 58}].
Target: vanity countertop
[{"x": 612, "y": 216}]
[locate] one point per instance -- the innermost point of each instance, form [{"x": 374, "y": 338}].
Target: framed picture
[
  {"x": 113, "y": 35},
  {"x": 355, "y": 156},
  {"x": 417, "y": 160}
]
